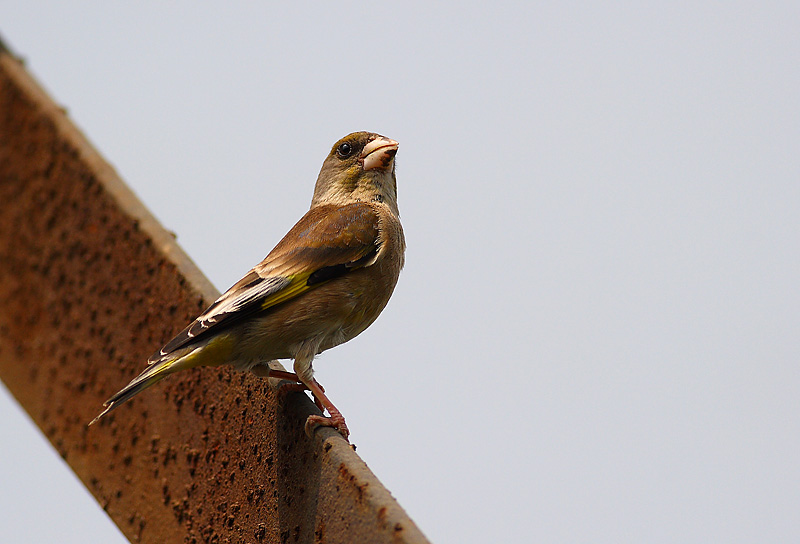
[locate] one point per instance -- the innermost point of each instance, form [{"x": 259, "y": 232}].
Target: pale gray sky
[{"x": 596, "y": 335}]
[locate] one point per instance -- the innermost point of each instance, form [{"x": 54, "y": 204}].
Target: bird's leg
[
  {"x": 289, "y": 387},
  {"x": 302, "y": 368},
  {"x": 266, "y": 372},
  {"x": 292, "y": 377},
  {"x": 281, "y": 375},
  {"x": 336, "y": 420}
]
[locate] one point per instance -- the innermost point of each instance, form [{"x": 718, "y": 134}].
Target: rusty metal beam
[{"x": 89, "y": 284}]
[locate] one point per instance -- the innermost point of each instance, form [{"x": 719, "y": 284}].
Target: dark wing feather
[
  {"x": 239, "y": 302},
  {"x": 327, "y": 242}
]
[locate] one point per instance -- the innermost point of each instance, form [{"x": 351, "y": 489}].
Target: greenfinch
[{"x": 324, "y": 283}]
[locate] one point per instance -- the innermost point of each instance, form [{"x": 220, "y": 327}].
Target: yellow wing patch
[{"x": 297, "y": 286}]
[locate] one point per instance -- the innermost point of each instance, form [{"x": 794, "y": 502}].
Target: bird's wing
[{"x": 327, "y": 242}]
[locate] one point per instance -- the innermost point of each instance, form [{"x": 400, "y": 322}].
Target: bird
[{"x": 323, "y": 284}]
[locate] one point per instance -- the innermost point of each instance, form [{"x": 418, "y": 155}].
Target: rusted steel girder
[{"x": 89, "y": 284}]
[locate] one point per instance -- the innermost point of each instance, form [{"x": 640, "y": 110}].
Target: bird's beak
[{"x": 379, "y": 153}]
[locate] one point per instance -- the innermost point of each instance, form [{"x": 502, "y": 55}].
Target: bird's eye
[{"x": 344, "y": 150}]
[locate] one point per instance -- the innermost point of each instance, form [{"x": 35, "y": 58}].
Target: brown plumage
[{"x": 325, "y": 282}]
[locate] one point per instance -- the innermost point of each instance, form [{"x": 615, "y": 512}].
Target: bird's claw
[{"x": 321, "y": 421}]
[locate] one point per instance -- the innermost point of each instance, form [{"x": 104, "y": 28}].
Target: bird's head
[{"x": 360, "y": 167}]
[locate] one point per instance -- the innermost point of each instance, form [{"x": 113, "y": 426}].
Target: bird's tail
[
  {"x": 153, "y": 374},
  {"x": 198, "y": 356}
]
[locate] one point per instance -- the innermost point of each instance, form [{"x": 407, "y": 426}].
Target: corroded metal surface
[{"x": 89, "y": 284}]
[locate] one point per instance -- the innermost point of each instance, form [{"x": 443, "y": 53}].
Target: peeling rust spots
[{"x": 90, "y": 285}]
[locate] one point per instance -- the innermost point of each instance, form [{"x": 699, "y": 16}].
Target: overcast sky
[{"x": 596, "y": 335}]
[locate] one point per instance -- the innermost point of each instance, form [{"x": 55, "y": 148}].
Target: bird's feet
[{"x": 336, "y": 421}]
